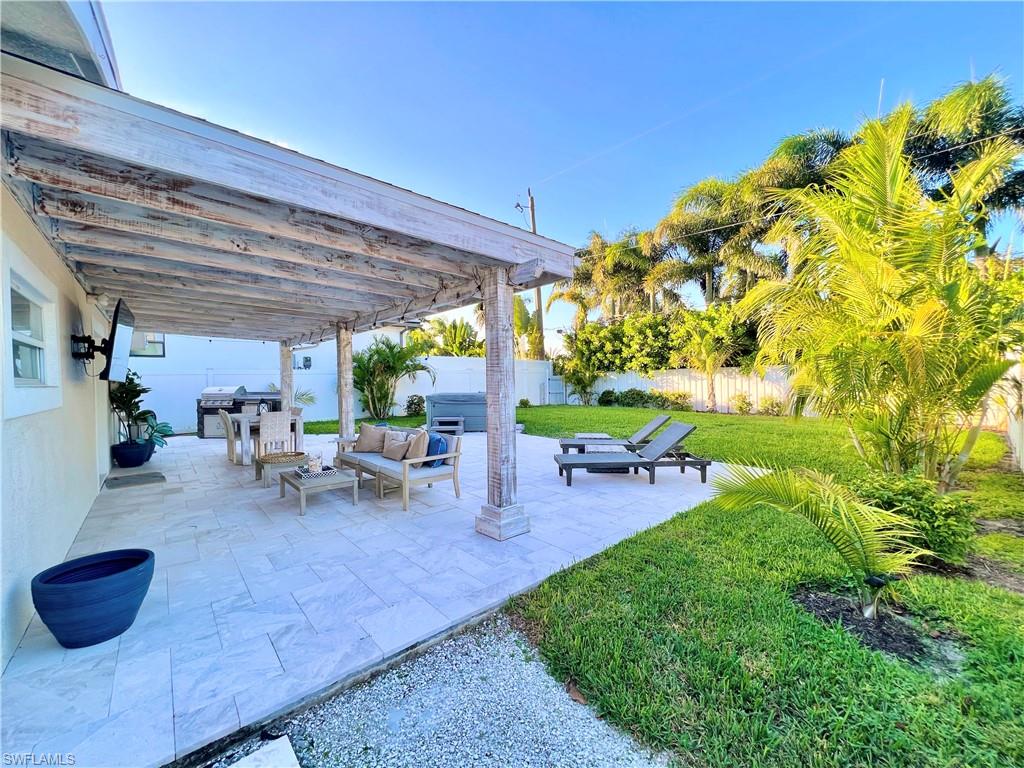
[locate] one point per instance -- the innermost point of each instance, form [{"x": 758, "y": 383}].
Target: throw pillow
[
  {"x": 436, "y": 446},
  {"x": 370, "y": 439},
  {"x": 418, "y": 444},
  {"x": 396, "y": 444},
  {"x": 450, "y": 443}
]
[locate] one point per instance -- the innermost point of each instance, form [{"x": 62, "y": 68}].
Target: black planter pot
[
  {"x": 129, "y": 454},
  {"x": 92, "y": 599},
  {"x": 150, "y": 447}
]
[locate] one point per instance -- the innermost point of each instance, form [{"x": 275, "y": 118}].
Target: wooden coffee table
[{"x": 343, "y": 478}]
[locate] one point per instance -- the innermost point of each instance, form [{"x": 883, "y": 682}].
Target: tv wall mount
[{"x": 85, "y": 347}]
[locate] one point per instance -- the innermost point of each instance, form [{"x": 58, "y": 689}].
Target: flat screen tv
[{"x": 118, "y": 344}]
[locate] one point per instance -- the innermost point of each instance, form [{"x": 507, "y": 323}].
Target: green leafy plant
[
  {"x": 676, "y": 401},
  {"x": 125, "y": 399},
  {"x": 443, "y": 338},
  {"x": 886, "y": 324},
  {"x": 415, "y": 405},
  {"x": 608, "y": 397},
  {"x": 706, "y": 341},
  {"x": 156, "y": 432},
  {"x": 742, "y": 403},
  {"x": 304, "y": 397},
  {"x": 524, "y": 402},
  {"x": 771, "y": 406},
  {"x": 875, "y": 544},
  {"x": 377, "y": 370},
  {"x": 634, "y": 398},
  {"x": 945, "y": 522}
]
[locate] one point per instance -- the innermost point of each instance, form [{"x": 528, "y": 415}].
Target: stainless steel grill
[{"x": 233, "y": 399}]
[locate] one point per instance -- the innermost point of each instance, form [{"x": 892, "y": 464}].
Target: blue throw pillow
[{"x": 436, "y": 447}]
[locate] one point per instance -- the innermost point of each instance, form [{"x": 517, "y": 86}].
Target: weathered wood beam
[
  {"x": 501, "y": 517},
  {"x": 287, "y": 387},
  {"x": 211, "y": 327},
  {"x": 223, "y": 311},
  {"x": 255, "y": 249},
  {"x": 105, "y": 280},
  {"x": 457, "y": 296},
  {"x": 272, "y": 287},
  {"x": 346, "y": 390},
  {"x": 48, "y": 105},
  {"x": 203, "y": 302},
  {"x": 197, "y": 258}
]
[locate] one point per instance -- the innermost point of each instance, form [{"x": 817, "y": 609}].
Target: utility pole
[{"x": 536, "y": 291}]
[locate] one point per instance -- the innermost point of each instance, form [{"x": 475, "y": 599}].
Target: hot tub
[{"x": 471, "y": 406}]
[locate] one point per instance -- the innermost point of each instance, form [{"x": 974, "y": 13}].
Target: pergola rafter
[{"x": 207, "y": 231}]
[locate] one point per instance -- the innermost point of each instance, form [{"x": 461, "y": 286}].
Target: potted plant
[
  {"x": 155, "y": 433},
  {"x": 126, "y": 403}
]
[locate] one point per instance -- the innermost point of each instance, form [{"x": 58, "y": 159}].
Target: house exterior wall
[
  {"x": 54, "y": 449},
  {"x": 193, "y": 362}
]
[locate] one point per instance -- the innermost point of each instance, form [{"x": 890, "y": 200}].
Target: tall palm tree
[
  {"x": 705, "y": 341},
  {"x": 886, "y": 324},
  {"x": 455, "y": 338}
]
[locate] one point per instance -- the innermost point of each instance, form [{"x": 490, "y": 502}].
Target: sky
[{"x": 607, "y": 111}]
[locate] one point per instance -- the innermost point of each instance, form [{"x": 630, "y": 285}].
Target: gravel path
[{"x": 482, "y": 698}]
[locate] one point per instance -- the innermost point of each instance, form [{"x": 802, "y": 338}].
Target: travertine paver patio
[{"x": 253, "y": 608}]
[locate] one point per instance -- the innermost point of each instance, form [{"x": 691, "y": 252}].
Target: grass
[
  {"x": 330, "y": 426},
  {"x": 685, "y": 635},
  {"x": 1004, "y": 548}
]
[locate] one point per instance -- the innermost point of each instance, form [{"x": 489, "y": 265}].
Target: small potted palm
[{"x": 126, "y": 403}]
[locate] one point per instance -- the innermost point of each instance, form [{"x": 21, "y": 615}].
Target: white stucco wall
[{"x": 53, "y": 460}]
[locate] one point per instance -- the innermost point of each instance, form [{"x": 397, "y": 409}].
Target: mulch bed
[{"x": 892, "y": 632}]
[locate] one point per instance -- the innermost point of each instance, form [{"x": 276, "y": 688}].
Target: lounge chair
[
  {"x": 633, "y": 443},
  {"x": 663, "y": 451}
]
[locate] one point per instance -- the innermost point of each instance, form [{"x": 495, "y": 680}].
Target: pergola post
[
  {"x": 287, "y": 385},
  {"x": 501, "y": 517},
  {"x": 346, "y": 400}
]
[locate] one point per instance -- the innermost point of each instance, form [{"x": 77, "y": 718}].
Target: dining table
[{"x": 244, "y": 423}]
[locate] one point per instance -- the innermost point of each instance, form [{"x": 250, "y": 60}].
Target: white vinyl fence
[
  {"x": 1015, "y": 426},
  {"x": 731, "y": 381},
  {"x": 728, "y": 382}
]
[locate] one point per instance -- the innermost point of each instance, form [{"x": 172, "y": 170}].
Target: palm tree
[
  {"x": 874, "y": 544},
  {"x": 377, "y": 370},
  {"x": 705, "y": 341},
  {"x": 885, "y": 323},
  {"x": 455, "y": 338}
]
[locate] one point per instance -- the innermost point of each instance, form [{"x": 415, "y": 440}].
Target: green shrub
[
  {"x": 608, "y": 397},
  {"x": 415, "y": 405},
  {"x": 771, "y": 406},
  {"x": 742, "y": 403},
  {"x": 524, "y": 402},
  {"x": 634, "y": 398},
  {"x": 946, "y": 522},
  {"x": 675, "y": 401}
]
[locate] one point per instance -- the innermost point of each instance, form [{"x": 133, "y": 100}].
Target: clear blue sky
[{"x": 606, "y": 110}]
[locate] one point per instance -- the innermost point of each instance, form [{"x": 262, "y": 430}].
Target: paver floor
[{"x": 253, "y": 608}]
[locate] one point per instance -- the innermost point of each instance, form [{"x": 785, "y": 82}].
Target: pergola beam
[
  {"x": 190, "y": 258},
  {"x": 242, "y": 248}
]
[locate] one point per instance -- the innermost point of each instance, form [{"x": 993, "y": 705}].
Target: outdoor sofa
[
  {"x": 402, "y": 473},
  {"x": 664, "y": 451}
]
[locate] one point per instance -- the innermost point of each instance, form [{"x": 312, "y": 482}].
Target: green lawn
[
  {"x": 1004, "y": 548},
  {"x": 685, "y": 635}
]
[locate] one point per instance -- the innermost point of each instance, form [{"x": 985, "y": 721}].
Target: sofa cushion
[
  {"x": 450, "y": 442},
  {"x": 393, "y": 469},
  {"x": 370, "y": 439},
  {"x": 396, "y": 445},
  {"x": 418, "y": 444},
  {"x": 436, "y": 446}
]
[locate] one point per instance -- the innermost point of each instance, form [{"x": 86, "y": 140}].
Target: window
[
  {"x": 27, "y": 340},
  {"x": 148, "y": 345}
]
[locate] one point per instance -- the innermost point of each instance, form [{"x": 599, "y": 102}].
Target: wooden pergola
[{"x": 206, "y": 231}]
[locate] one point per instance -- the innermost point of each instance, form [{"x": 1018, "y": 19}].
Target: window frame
[
  {"x": 21, "y": 275},
  {"x": 162, "y": 342},
  {"x": 20, "y": 337}
]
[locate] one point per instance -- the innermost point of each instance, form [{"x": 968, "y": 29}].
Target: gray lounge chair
[
  {"x": 663, "y": 451},
  {"x": 632, "y": 443}
]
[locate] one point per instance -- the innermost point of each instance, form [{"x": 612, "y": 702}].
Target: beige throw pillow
[
  {"x": 418, "y": 445},
  {"x": 370, "y": 439},
  {"x": 396, "y": 444}
]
